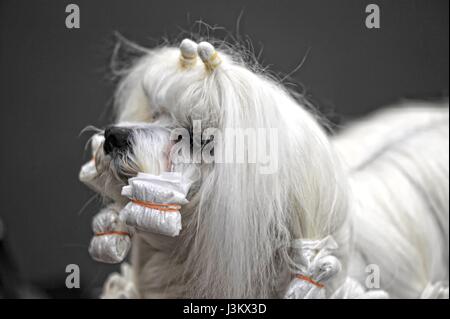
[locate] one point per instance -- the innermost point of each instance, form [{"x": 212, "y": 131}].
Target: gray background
[{"x": 55, "y": 81}]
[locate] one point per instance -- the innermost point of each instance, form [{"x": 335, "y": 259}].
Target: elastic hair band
[
  {"x": 161, "y": 207},
  {"x": 310, "y": 280},
  {"x": 121, "y": 233},
  {"x": 187, "y": 62}
]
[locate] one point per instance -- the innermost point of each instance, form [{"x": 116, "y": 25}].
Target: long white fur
[
  {"x": 380, "y": 188},
  {"x": 398, "y": 170}
]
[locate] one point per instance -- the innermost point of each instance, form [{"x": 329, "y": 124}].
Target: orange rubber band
[
  {"x": 161, "y": 207},
  {"x": 122, "y": 233},
  {"x": 310, "y": 280}
]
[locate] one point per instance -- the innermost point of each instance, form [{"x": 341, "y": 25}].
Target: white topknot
[
  {"x": 209, "y": 55},
  {"x": 188, "y": 49}
]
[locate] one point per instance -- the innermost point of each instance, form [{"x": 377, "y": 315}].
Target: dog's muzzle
[{"x": 116, "y": 139}]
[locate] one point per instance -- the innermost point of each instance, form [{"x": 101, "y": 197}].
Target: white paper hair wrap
[
  {"x": 316, "y": 266},
  {"x": 167, "y": 188},
  {"x": 88, "y": 173},
  {"x": 111, "y": 241}
]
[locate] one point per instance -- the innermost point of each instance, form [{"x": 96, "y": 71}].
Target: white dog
[{"x": 294, "y": 213}]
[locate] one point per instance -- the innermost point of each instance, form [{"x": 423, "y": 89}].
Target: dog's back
[{"x": 398, "y": 169}]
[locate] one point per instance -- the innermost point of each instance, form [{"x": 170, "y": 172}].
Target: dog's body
[
  {"x": 398, "y": 170},
  {"x": 380, "y": 188}
]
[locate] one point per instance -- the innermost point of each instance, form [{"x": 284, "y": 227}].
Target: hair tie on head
[
  {"x": 188, "y": 50},
  {"x": 209, "y": 55}
]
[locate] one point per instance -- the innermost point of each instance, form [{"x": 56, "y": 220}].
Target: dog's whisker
[
  {"x": 90, "y": 128},
  {"x": 88, "y": 202}
]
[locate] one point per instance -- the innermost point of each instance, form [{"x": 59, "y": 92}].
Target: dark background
[{"x": 55, "y": 81}]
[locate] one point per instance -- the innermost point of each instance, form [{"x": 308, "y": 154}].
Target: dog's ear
[{"x": 124, "y": 55}]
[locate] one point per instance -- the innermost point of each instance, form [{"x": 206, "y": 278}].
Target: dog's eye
[
  {"x": 201, "y": 142},
  {"x": 156, "y": 115}
]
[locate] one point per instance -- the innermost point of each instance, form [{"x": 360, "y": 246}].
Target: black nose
[{"x": 116, "y": 138}]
